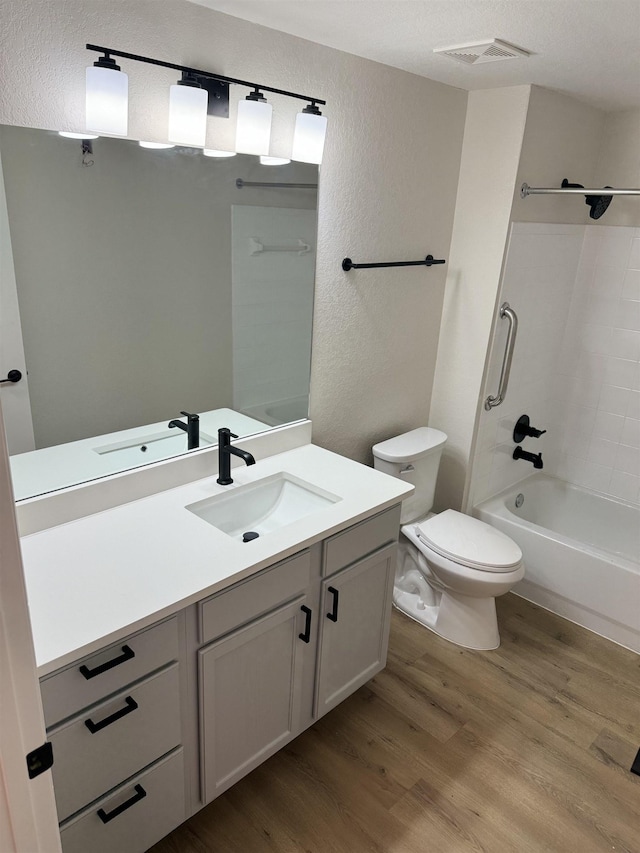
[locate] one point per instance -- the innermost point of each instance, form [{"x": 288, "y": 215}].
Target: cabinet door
[
  {"x": 250, "y": 695},
  {"x": 355, "y": 611}
]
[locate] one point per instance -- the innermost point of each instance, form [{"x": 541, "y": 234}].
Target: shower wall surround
[{"x": 576, "y": 367}]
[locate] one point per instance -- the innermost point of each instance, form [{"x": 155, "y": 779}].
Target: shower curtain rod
[
  {"x": 242, "y": 183},
  {"x": 526, "y": 190}
]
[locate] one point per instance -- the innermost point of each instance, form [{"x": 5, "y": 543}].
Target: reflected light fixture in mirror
[
  {"x": 107, "y": 97},
  {"x": 217, "y": 152},
  {"x": 69, "y": 134},
  {"x": 308, "y": 136},
  {"x": 253, "y": 130},
  {"x": 274, "y": 161},
  {"x": 158, "y": 146},
  {"x": 188, "y": 112}
]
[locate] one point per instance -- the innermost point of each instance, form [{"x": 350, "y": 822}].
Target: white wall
[
  {"x": 492, "y": 141},
  {"x": 387, "y": 190},
  {"x": 619, "y": 166}
]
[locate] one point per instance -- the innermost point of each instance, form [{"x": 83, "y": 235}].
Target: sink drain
[{"x": 249, "y": 536}]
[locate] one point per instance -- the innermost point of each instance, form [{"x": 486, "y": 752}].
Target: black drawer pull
[
  {"x": 334, "y": 609},
  {"x": 127, "y": 654},
  {"x": 130, "y": 705},
  {"x": 306, "y": 634},
  {"x": 140, "y": 794}
]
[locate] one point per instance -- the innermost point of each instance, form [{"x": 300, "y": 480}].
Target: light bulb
[
  {"x": 308, "y": 136},
  {"x": 188, "y": 112},
  {"x": 107, "y": 97},
  {"x": 253, "y": 130},
  {"x": 68, "y": 134},
  {"x": 156, "y": 145}
]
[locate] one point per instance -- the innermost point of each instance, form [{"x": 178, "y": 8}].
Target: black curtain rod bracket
[{"x": 429, "y": 261}]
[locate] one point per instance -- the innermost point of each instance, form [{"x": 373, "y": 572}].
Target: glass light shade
[
  {"x": 274, "y": 161},
  {"x": 253, "y": 130},
  {"x": 107, "y": 100},
  {"x": 217, "y": 152},
  {"x": 69, "y": 134},
  {"x": 308, "y": 138},
  {"x": 188, "y": 115},
  {"x": 155, "y": 145}
]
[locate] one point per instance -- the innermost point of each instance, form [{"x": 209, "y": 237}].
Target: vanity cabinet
[
  {"x": 134, "y": 727},
  {"x": 114, "y": 722},
  {"x": 354, "y": 627}
]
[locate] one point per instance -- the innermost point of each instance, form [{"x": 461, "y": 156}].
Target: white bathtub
[{"x": 581, "y": 552}]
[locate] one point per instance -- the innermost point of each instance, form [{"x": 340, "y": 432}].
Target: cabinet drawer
[
  {"x": 138, "y": 813},
  {"x": 245, "y": 601},
  {"x": 88, "y": 681},
  {"x": 345, "y": 548},
  {"x": 109, "y": 742}
]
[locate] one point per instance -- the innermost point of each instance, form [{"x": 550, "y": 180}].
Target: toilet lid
[{"x": 469, "y": 541}]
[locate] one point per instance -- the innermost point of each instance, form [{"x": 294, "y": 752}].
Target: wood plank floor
[{"x": 526, "y": 748}]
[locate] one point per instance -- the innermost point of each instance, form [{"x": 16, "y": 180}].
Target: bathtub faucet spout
[{"x": 534, "y": 458}]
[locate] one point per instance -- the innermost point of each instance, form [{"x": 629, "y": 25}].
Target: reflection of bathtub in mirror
[{"x": 40, "y": 471}]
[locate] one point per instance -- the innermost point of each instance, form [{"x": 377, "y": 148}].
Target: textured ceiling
[{"x": 587, "y": 48}]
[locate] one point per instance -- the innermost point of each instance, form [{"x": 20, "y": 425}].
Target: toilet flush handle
[{"x": 408, "y": 470}]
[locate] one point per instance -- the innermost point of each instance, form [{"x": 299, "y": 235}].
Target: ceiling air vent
[{"x": 484, "y": 51}]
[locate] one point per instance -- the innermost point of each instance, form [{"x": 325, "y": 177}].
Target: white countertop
[{"x": 97, "y": 579}]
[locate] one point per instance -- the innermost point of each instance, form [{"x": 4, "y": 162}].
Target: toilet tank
[{"x": 415, "y": 458}]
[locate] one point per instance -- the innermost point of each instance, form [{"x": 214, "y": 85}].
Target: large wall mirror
[{"x": 137, "y": 284}]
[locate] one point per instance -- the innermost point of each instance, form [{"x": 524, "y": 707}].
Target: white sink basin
[
  {"x": 150, "y": 448},
  {"x": 263, "y": 506}
]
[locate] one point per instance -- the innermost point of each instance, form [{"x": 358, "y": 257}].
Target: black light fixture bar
[
  {"x": 200, "y": 73},
  {"x": 429, "y": 261}
]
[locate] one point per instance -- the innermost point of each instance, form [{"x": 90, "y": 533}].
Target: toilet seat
[{"x": 469, "y": 542}]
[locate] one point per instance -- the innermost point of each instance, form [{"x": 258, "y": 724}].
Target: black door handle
[
  {"x": 334, "y": 608},
  {"x": 127, "y": 654},
  {"x": 306, "y": 634},
  {"x": 130, "y": 705},
  {"x": 140, "y": 794},
  {"x": 12, "y": 376}
]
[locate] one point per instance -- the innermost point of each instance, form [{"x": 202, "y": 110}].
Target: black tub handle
[
  {"x": 129, "y": 706},
  {"x": 306, "y": 634},
  {"x": 140, "y": 794},
  {"x": 127, "y": 654},
  {"x": 334, "y": 608}
]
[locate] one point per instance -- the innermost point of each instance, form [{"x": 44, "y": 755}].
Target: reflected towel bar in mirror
[{"x": 429, "y": 261}]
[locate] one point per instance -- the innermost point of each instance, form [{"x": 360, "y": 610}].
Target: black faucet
[
  {"x": 192, "y": 429},
  {"x": 535, "y": 458},
  {"x": 225, "y": 451}
]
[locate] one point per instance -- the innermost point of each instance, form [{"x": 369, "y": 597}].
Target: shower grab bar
[{"x": 510, "y": 314}]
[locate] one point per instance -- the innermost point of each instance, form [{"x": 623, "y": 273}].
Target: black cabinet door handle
[
  {"x": 334, "y": 609},
  {"x": 306, "y": 634},
  {"x": 140, "y": 794},
  {"x": 129, "y": 706},
  {"x": 127, "y": 654}
]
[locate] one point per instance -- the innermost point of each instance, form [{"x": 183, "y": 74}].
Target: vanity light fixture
[
  {"x": 188, "y": 111},
  {"x": 217, "y": 152},
  {"x": 309, "y": 134},
  {"x": 155, "y": 145},
  {"x": 198, "y": 94},
  {"x": 107, "y": 97},
  {"x": 253, "y": 129},
  {"x": 273, "y": 161},
  {"x": 69, "y": 134}
]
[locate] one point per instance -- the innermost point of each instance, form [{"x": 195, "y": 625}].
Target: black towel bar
[{"x": 429, "y": 261}]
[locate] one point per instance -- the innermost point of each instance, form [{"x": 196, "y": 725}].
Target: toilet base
[{"x": 468, "y": 622}]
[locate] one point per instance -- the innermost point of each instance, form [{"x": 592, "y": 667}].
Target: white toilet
[{"x": 451, "y": 566}]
